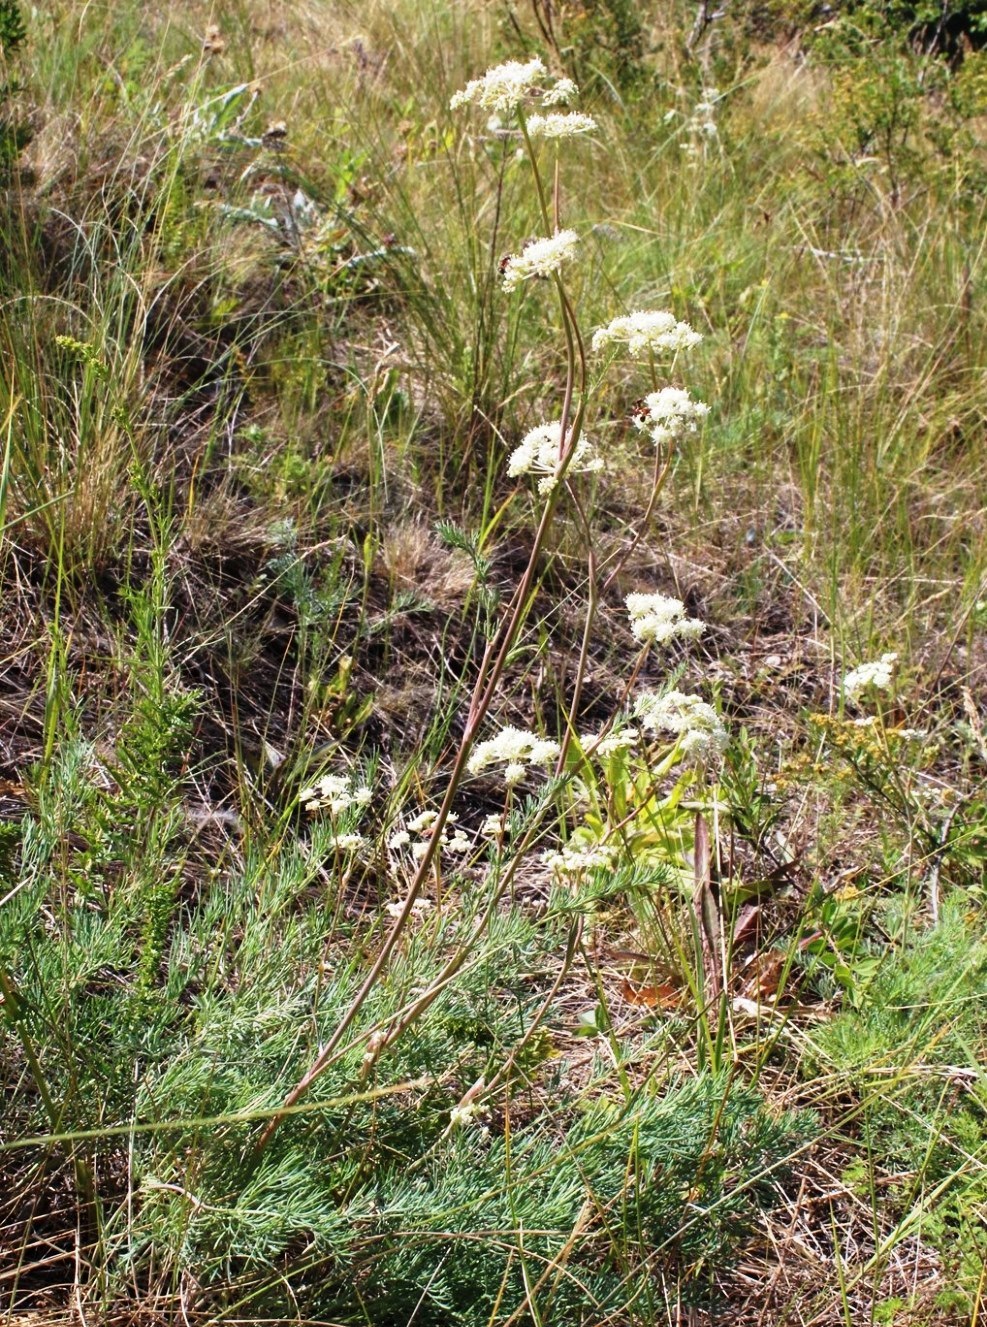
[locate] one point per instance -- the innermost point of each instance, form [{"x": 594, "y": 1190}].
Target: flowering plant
[{"x": 627, "y": 784}]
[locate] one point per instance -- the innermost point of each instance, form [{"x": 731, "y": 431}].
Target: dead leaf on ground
[{"x": 663, "y": 996}]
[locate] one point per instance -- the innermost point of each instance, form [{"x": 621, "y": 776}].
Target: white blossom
[
  {"x": 543, "y": 751},
  {"x": 539, "y": 258},
  {"x": 418, "y": 908},
  {"x": 512, "y": 747},
  {"x": 703, "y": 122},
  {"x": 878, "y": 674},
  {"x": 700, "y": 732},
  {"x": 647, "y": 331},
  {"x": 349, "y": 842},
  {"x": 452, "y": 838},
  {"x": 398, "y": 840},
  {"x": 657, "y": 619},
  {"x": 574, "y": 857},
  {"x": 670, "y": 413},
  {"x": 540, "y": 453},
  {"x": 604, "y": 747},
  {"x": 465, "y": 1114},
  {"x": 562, "y": 93},
  {"x": 502, "y": 88},
  {"x": 560, "y": 126},
  {"x": 335, "y": 793},
  {"x": 458, "y": 842},
  {"x": 423, "y": 821}
]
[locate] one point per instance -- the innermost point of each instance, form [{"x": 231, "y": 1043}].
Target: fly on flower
[{"x": 539, "y": 258}]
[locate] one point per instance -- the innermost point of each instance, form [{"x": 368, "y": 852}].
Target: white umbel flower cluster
[
  {"x": 560, "y": 126},
  {"x": 878, "y": 674},
  {"x": 563, "y": 93},
  {"x": 419, "y": 908},
  {"x": 453, "y": 839},
  {"x": 700, "y": 732},
  {"x": 574, "y": 857},
  {"x": 647, "y": 331},
  {"x": 348, "y": 842},
  {"x": 508, "y": 86},
  {"x": 703, "y": 120},
  {"x": 514, "y": 748},
  {"x": 335, "y": 793},
  {"x": 657, "y": 619},
  {"x": 610, "y": 744},
  {"x": 466, "y": 1114},
  {"x": 503, "y": 88},
  {"x": 424, "y": 822},
  {"x": 539, "y": 258},
  {"x": 669, "y": 414},
  {"x": 538, "y": 453},
  {"x": 493, "y": 827}
]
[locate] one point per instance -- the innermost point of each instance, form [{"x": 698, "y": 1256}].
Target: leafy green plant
[
  {"x": 298, "y": 1021},
  {"x": 13, "y": 35},
  {"x": 911, "y": 1053},
  {"x": 13, "y": 31},
  {"x": 603, "y": 41}
]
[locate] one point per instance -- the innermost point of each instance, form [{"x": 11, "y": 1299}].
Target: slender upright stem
[{"x": 488, "y": 678}]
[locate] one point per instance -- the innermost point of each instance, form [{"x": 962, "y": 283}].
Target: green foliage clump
[
  {"x": 373, "y": 1200},
  {"x": 13, "y": 34},
  {"x": 933, "y": 25},
  {"x": 395, "y": 1210},
  {"x": 930, "y": 25},
  {"x": 913, "y": 1051},
  {"x": 605, "y": 41}
]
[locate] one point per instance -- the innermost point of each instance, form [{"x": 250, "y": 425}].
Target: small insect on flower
[
  {"x": 603, "y": 746},
  {"x": 423, "y": 821},
  {"x": 335, "y": 793},
  {"x": 539, "y": 258},
  {"x": 493, "y": 827},
  {"x": 418, "y": 908},
  {"x": 349, "y": 842},
  {"x": 213, "y": 42},
  {"x": 669, "y": 414},
  {"x": 574, "y": 857},
  {"x": 274, "y": 133}
]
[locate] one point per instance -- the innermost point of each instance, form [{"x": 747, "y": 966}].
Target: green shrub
[{"x": 13, "y": 34}]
